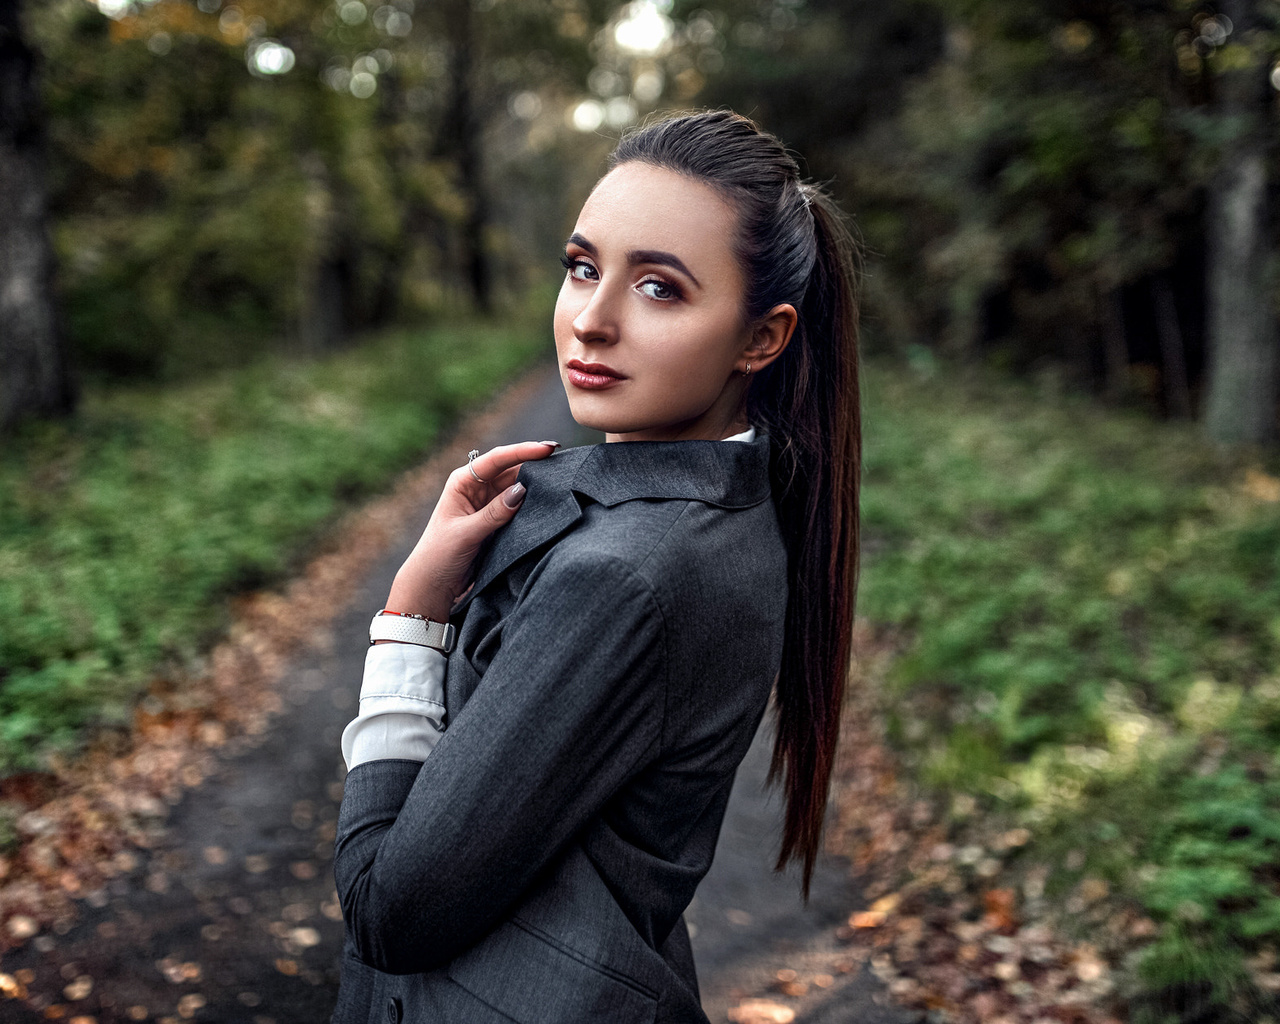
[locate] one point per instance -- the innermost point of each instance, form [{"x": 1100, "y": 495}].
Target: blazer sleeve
[{"x": 430, "y": 857}]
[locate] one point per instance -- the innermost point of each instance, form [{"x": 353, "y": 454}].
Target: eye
[
  {"x": 656, "y": 288},
  {"x": 579, "y": 269}
]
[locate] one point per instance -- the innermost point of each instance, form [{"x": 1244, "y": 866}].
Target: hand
[{"x": 437, "y": 571}]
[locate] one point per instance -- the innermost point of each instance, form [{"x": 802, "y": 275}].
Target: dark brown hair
[{"x": 794, "y": 248}]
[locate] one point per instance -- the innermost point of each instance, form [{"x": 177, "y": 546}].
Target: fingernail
[
  {"x": 553, "y": 444},
  {"x": 514, "y": 495}
]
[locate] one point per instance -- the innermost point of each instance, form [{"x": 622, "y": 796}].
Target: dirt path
[{"x": 231, "y": 916}]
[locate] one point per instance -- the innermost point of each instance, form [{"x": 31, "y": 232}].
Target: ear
[{"x": 770, "y": 338}]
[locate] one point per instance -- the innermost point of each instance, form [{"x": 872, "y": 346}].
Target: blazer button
[{"x": 394, "y": 1012}]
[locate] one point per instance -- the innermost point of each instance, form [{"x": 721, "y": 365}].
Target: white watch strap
[{"x": 407, "y": 629}]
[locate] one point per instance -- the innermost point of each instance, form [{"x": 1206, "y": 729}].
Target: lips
[{"x": 592, "y": 376}]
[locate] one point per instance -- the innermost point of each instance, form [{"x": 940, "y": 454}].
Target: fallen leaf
[
  {"x": 1261, "y": 486},
  {"x": 304, "y": 938},
  {"x": 21, "y": 927},
  {"x": 761, "y": 1011},
  {"x": 999, "y": 905}
]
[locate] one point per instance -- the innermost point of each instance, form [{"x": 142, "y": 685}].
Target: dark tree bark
[
  {"x": 1244, "y": 361},
  {"x": 1173, "y": 352},
  {"x": 463, "y": 134},
  {"x": 35, "y": 373},
  {"x": 1115, "y": 345},
  {"x": 324, "y": 279}
]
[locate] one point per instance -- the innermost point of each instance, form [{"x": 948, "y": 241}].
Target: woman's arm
[
  {"x": 402, "y": 696},
  {"x": 429, "y": 859},
  {"x": 402, "y": 708},
  {"x": 478, "y": 498}
]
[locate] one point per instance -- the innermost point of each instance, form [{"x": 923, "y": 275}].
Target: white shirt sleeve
[{"x": 401, "y": 705}]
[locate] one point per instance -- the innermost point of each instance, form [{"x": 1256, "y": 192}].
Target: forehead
[{"x": 640, "y": 206}]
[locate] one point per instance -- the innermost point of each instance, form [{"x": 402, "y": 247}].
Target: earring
[{"x": 747, "y": 371}]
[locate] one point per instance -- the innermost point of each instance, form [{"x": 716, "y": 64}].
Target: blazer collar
[{"x": 727, "y": 474}]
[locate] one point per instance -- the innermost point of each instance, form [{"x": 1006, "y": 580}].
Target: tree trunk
[
  {"x": 464, "y": 133},
  {"x": 35, "y": 373},
  {"x": 1173, "y": 352},
  {"x": 1115, "y": 345},
  {"x": 324, "y": 297},
  {"x": 1243, "y": 357}
]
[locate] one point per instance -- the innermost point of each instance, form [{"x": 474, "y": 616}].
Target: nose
[{"x": 597, "y": 320}]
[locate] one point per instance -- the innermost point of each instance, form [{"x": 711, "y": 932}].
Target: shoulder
[{"x": 673, "y": 543}]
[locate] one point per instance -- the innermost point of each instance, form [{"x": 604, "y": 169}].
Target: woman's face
[{"x": 649, "y": 328}]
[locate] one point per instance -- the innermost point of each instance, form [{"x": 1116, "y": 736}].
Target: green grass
[
  {"x": 1091, "y": 607},
  {"x": 124, "y": 531}
]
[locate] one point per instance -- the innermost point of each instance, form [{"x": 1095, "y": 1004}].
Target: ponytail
[
  {"x": 794, "y": 248},
  {"x": 810, "y": 406}
]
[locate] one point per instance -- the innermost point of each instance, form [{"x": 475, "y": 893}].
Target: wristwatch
[{"x": 407, "y": 628}]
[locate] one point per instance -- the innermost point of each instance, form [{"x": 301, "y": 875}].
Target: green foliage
[
  {"x": 123, "y": 533},
  {"x": 1058, "y": 137},
  {"x": 205, "y": 212},
  {"x": 1092, "y": 604}
]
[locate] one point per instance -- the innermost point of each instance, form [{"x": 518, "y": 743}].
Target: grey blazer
[{"x": 615, "y": 656}]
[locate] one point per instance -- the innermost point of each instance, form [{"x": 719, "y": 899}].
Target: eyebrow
[{"x": 639, "y": 256}]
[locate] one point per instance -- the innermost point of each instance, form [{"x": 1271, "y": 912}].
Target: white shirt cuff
[{"x": 401, "y": 705}]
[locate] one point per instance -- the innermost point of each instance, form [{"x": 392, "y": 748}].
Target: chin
[{"x": 589, "y": 414}]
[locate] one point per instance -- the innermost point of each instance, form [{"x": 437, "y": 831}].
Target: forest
[{"x": 256, "y": 254}]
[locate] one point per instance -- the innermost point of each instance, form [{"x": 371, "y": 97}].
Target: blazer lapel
[
  {"x": 729, "y": 474},
  {"x": 549, "y": 509}
]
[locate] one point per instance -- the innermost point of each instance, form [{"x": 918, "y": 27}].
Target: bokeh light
[
  {"x": 587, "y": 116},
  {"x": 620, "y": 112},
  {"x": 392, "y": 21},
  {"x": 604, "y": 82},
  {"x": 525, "y": 105},
  {"x": 644, "y": 28},
  {"x": 353, "y": 12},
  {"x": 647, "y": 86},
  {"x": 269, "y": 57},
  {"x": 114, "y": 8}
]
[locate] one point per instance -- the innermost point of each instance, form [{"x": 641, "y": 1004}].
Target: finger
[
  {"x": 501, "y": 509},
  {"x": 498, "y": 460},
  {"x": 506, "y": 478},
  {"x": 466, "y": 495}
]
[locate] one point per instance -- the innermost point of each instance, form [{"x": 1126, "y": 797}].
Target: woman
[{"x": 528, "y": 856}]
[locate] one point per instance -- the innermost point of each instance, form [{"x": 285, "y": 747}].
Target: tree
[
  {"x": 461, "y": 138},
  {"x": 35, "y": 375},
  {"x": 1244, "y": 349}
]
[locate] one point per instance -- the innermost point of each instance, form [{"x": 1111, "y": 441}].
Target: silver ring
[{"x": 471, "y": 457}]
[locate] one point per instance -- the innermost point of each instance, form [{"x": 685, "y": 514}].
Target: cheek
[
  {"x": 710, "y": 347},
  {"x": 562, "y": 319}
]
